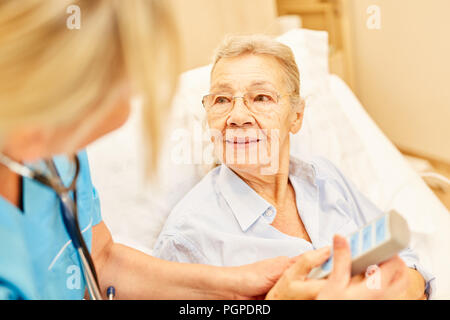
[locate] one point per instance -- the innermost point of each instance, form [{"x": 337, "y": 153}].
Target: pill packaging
[{"x": 372, "y": 244}]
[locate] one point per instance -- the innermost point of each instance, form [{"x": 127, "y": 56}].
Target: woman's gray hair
[{"x": 236, "y": 45}]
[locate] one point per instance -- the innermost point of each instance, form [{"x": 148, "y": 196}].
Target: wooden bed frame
[{"x": 331, "y": 16}]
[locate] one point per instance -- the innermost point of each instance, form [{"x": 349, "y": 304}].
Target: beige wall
[
  {"x": 402, "y": 72},
  {"x": 203, "y": 23}
]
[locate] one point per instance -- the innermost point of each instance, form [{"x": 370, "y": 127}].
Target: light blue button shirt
[
  {"x": 224, "y": 222},
  {"x": 37, "y": 257}
]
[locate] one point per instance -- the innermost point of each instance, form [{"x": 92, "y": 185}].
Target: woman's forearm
[{"x": 136, "y": 275}]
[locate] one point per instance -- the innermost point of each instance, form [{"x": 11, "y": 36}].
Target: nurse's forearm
[{"x": 136, "y": 275}]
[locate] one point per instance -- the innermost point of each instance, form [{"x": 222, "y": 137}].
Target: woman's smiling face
[{"x": 251, "y": 134}]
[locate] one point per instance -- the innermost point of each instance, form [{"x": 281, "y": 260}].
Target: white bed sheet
[{"x": 395, "y": 185}]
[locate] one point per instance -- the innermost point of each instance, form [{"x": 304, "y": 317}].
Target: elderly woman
[{"x": 262, "y": 202}]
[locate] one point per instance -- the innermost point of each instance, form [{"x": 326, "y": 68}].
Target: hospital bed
[{"x": 336, "y": 126}]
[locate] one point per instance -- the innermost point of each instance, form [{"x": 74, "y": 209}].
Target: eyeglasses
[{"x": 256, "y": 101}]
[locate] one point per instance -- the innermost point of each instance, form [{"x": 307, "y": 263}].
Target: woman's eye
[
  {"x": 221, "y": 100},
  {"x": 262, "y": 98}
]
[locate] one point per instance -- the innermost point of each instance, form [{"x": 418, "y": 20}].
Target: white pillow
[
  {"x": 391, "y": 183},
  {"x": 310, "y": 49}
]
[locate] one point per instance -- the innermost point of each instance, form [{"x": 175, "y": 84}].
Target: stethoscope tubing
[{"x": 71, "y": 226}]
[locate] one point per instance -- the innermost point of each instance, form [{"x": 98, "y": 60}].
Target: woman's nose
[{"x": 240, "y": 115}]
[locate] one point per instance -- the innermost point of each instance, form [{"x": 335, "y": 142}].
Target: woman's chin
[{"x": 244, "y": 167}]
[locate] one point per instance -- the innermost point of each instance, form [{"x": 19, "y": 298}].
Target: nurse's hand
[
  {"x": 392, "y": 282},
  {"x": 339, "y": 285},
  {"x": 253, "y": 281},
  {"x": 294, "y": 284}
]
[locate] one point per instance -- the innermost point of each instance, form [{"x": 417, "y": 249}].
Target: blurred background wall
[
  {"x": 203, "y": 24},
  {"x": 400, "y": 72}
]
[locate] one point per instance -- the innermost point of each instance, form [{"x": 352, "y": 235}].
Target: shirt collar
[
  {"x": 303, "y": 169},
  {"x": 247, "y": 205}
]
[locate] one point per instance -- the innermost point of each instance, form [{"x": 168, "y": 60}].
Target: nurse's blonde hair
[{"x": 51, "y": 74}]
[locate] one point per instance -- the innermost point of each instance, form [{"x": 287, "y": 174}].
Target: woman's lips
[{"x": 242, "y": 141}]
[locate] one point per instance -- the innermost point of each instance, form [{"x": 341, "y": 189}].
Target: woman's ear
[{"x": 297, "y": 116}]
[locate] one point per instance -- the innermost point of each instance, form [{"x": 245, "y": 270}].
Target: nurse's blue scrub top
[{"x": 37, "y": 257}]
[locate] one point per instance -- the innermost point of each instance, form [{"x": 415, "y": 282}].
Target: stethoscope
[{"x": 69, "y": 215}]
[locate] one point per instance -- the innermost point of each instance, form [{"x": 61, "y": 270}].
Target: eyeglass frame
[{"x": 242, "y": 97}]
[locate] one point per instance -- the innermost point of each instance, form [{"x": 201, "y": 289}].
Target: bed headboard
[{"x": 331, "y": 16}]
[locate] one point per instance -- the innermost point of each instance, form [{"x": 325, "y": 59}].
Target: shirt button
[{"x": 268, "y": 212}]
